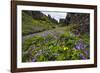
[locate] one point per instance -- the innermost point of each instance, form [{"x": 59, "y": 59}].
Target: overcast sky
[{"x": 56, "y": 15}]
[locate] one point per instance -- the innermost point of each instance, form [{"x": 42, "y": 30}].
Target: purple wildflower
[
  {"x": 33, "y": 60},
  {"x": 77, "y": 47},
  {"x": 87, "y": 52},
  {"x": 82, "y": 57},
  {"x": 80, "y": 45}
]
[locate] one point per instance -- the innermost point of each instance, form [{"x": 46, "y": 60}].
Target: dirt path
[{"x": 54, "y": 32}]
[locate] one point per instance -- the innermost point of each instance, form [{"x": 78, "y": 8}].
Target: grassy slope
[
  {"x": 30, "y": 25},
  {"x": 59, "y": 44},
  {"x": 56, "y": 44}
]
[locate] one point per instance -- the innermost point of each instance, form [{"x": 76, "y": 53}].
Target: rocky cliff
[
  {"x": 78, "y": 18},
  {"x": 82, "y": 20}
]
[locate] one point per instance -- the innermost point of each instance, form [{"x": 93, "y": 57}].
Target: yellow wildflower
[{"x": 65, "y": 48}]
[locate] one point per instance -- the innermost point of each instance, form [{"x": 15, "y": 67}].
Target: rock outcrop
[
  {"x": 78, "y": 18},
  {"x": 82, "y": 20}
]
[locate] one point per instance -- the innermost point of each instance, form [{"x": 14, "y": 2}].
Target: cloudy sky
[{"x": 56, "y": 15}]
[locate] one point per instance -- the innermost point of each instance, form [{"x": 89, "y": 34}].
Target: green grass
[
  {"x": 62, "y": 48},
  {"x": 30, "y": 25},
  {"x": 58, "y": 46}
]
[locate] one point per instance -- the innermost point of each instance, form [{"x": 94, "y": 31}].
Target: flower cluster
[
  {"x": 82, "y": 57},
  {"x": 80, "y": 45}
]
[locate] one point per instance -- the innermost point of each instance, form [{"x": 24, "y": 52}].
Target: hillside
[
  {"x": 33, "y": 25},
  {"x": 45, "y": 39}
]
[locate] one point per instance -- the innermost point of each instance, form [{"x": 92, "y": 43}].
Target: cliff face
[{"x": 80, "y": 19}]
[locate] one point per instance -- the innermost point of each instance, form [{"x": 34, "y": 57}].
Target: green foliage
[
  {"x": 30, "y": 25},
  {"x": 49, "y": 48},
  {"x": 54, "y": 49},
  {"x": 25, "y": 57}
]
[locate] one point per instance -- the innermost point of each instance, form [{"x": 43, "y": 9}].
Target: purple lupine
[
  {"x": 33, "y": 60},
  {"x": 83, "y": 46},
  {"x": 77, "y": 47},
  {"x": 87, "y": 52},
  {"x": 80, "y": 45},
  {"x": 82, "y": 57}
]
